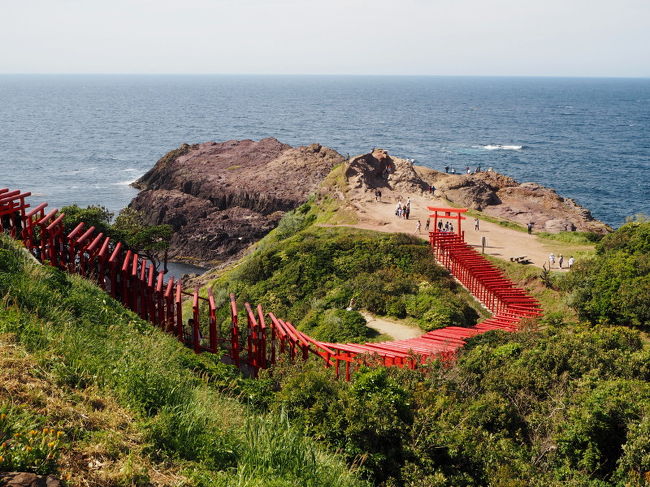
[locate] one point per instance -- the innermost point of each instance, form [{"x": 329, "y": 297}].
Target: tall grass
[{"x": 83, "y": 337}]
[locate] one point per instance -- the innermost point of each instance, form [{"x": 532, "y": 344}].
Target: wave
[
  {"x": 502, "y": 147},
  {"x": 123, "y": 183}
]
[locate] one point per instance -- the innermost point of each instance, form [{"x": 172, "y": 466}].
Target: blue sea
[{"x": 83, "y": 138}]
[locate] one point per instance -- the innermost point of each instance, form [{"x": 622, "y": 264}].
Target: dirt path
[
  {"x": 501, "y": 242},
  {"x": 397, "y": 331}
]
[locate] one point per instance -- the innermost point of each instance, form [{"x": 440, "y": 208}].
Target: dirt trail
[
  {"x": 398, "y": 331},
  {"x": 501, "y": 241}
]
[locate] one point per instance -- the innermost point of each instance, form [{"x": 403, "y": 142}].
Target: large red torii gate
[{"x": 448, "y": 214}]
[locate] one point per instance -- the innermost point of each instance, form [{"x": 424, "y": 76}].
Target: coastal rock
[
  {"x": 221, "y": 197},
  {"x": 492, "y": 193},
  {"x": 22, "y": 479},
  {"x": 378, "y": 170}
]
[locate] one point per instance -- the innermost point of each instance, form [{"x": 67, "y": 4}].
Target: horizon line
[{"x": 374, "y": 75}]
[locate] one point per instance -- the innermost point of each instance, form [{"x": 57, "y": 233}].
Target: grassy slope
[
  {"x": 304, "y": 272},
  {"x": 172, "y": 410}
]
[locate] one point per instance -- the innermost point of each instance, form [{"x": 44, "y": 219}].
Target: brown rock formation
[
  {"x": 221, "y": 197},
  {"x": 22, "y": 479},
  {"x": 378, "y": 170},
  {"x": 492, "y": 193},
  {"x": 502, "y": 197}
]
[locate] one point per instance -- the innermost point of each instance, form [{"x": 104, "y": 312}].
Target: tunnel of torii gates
[{"x": 260, "y": 338}]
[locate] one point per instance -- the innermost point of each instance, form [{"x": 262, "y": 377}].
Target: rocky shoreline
[{"x": 222, "y": 197}]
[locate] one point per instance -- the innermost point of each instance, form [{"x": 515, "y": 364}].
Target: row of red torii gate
[{"x": 254, "y": 339}]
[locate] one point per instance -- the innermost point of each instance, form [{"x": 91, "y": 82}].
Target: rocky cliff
[{"x": 221, "y": 197}]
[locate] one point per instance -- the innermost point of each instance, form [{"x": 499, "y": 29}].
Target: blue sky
[{"x": 414, "y": 37}]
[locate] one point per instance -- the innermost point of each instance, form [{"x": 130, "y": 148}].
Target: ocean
[{"x": 83, "y": 138}]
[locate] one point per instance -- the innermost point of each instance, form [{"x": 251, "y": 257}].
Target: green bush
[
  {"x": 614, "y": 286},
  {"x": 318, "y": 270},
  {"x": 339, "y": 325}
]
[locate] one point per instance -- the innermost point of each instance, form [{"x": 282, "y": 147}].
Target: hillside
[
  {"x": 566, "y": 402},
  {"x": 134, "y": 406}
]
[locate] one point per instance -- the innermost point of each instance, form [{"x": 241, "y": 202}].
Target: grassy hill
[
  {"x": 131, "y": 404},
  {"x": 567, "y": 403}
]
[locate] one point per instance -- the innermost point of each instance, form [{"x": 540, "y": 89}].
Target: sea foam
[{"x": 502, "y": 147}]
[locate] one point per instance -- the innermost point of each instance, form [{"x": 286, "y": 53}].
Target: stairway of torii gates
[{"x": 261, "y": 338}]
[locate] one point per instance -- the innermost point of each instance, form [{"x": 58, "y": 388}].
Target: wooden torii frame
[{"x": 448, "y": 214}]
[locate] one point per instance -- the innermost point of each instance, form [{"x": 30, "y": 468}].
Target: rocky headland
[
  {"x": 493, "y": 194},
  {"x": 221, "y": 197}
]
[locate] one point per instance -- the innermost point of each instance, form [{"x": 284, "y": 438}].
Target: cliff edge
[{"x": 221, "y": 197}]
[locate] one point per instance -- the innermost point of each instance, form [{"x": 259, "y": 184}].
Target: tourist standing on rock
[
  {"x": 530, "y": 228},
  {"x": 476, "y": 224},
  {"x": 551, "y": 259},
  {"x": 560, "y": 260},
  {"x": 418, "y": 226},
  {"x": 571, "y": 262}
]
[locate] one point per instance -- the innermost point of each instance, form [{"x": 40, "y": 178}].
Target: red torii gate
[{"x": 448, "y": 214}]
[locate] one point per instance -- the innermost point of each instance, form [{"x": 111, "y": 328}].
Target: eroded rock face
[
  {"x": 377, "y": 170},
  {"x": 221, "y": 197},
  {"x": 22, "y": 479}
]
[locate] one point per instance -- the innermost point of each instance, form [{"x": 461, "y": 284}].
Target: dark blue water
[{"x": 82, "y": 139}]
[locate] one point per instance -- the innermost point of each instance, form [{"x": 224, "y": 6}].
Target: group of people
[
  {"x": 468, "y": 170},
  {"x": 560, "y": 261},
  {"x": 403, "y": 211}
]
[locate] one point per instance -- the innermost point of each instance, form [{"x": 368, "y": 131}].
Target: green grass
[
  {"x": 582, "y": 238},
  {"x": 182, "y": 403}
]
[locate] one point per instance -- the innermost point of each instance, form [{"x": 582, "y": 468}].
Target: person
[
  {"x": 376, "y": 195},
  {"x": 379, "y": 194},
  {"x": 478, "y": 168},
  {"x": 469, "y": 171},
  {"x": 451, "y": 228},
  {"x": 447, "y": 169},
  {"x": 560, "y": 259},
  {"x": 408, "y": 202},
  {"x": 453, "y": 171},
  {"x": 530, "y": 227},
  {"x": 571, "y": 262},
  {"x": 446, "y": 226},
  {"x": 398, "y": 209},
  {"x": 551, "y": 259},
  {"x": 476, "y": 224},
  {"x": 407, "y": 211},
  {"x": 426, "y": 225},
  {"x": 440, "y": 226},
  {"x": 433, "y": 189},
  {"x": 418, "y": 226}
]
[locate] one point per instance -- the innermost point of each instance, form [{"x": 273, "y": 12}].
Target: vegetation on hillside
[
  {"x": 310, "y": 275},
  {"x": 614, "y": 286},
  {"x": 129, "y": 227},
  {"x": 180, "y": 403}
]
